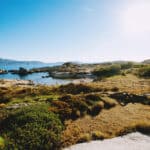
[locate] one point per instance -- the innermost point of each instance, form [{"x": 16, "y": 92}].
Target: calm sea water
[{"x": 35, "y": 77}]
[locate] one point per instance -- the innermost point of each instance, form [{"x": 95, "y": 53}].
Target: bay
[{"x": 37, "y": 78}]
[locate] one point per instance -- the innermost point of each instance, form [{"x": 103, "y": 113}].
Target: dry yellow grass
[
  {"x": 110, "y": 123},
  {"x": 128, "y": 83}
]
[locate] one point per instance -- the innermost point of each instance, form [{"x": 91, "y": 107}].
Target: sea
[{"x": 37, "y": 78}]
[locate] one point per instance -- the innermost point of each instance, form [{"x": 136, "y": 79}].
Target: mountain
[
  {"x": 9, "y": 64},
  {"x": 10, "y": 61},
  {"x": 147, "y": 61}
]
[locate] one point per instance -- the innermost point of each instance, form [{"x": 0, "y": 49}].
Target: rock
[
  {"x": 3, "y": 71},
  {"x": 21, "y": 71},
  {"x": 16, "y": 106},
  {"x": 11, "y": 83}
]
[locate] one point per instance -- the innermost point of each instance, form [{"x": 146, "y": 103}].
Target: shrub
[
  {"x": 96, "y": 109},
  {"x": 92, "y": 97},
  {"x": 127, "y": 65},
  {"x": 125, "y": 98},
  {"x": 115, "y": 89},
  {"x": 62, "y": 108},
  {"x": 75, "y": 88},
  {"x": 144, "y": 72},
  {"x": 2, "y": 143},
  {"x": 107, "y": 71},
  {"x": 5, "y": 99},
  {"x": 77, "y": 103},
  {"x": 32, "y": 127},
  {"x": 70, "y": 106}
]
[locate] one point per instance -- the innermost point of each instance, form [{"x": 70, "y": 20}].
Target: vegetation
[
  {"x": 127, "y": 65},
  {"x": 32, "y": 127},
  {"x": 75, "y": 88},
  {"x": 144, "y": 72},
  {"x": 107, "y": 71},
  {"x": 108, "y": 124},
  {"x": 52, "y": 117}
]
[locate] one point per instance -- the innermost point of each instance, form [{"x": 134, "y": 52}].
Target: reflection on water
[{"x": 36, "y": 78}]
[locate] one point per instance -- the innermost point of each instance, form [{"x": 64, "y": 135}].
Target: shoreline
[
  {"x": 6, "y": 82},
  {"x": 15, "y": 82}
]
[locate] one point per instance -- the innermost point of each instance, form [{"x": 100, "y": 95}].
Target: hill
[
  {"x": 147, "y": 61},
  {"x": 8, "y": 64}
]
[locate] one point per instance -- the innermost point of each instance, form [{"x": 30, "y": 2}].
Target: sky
[{"x": 75, "y": 30}]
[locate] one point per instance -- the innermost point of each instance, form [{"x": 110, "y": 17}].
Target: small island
[{"x": 3, "y": 71}]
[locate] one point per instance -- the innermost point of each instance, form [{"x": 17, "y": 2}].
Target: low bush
[
  {"x": 75, "y": 88},
  {"x": 32, "y": 127},
  {"x": 75, "y": 106},
  {"x": 62, "y": 108},
  {"x": 127, "y": 65},
  {"x": 144, "y": 72},
  {"x": 107, "y": 71},
  {"x": 95, "y": 110},
  {"x": 2, "y": 143},
  {"x": 115, "y": 89},
  {"x": 92, "y": 97},
  {"x": 125, "y": 98}
]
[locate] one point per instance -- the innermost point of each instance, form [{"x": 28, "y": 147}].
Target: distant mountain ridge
[
  {"x": 8, "y": 61},
  {"x": 8, "y": 64},
  {"x": 147, "y": 61}
]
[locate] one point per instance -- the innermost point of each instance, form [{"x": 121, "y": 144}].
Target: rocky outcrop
[
  {"x": 8, "y": 83},
  {"x": 3, "y": 71},
  {"x": 21, "y": 71},
  {"x": 70, "y": 75}
]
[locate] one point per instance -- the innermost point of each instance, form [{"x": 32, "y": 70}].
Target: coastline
[{"x": 15, "y": 82}]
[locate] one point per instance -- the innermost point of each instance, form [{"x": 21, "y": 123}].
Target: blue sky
[{"x": 75, "y": 30}]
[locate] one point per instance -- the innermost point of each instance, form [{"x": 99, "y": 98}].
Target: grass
[
  {"x": 110, "y": 123},
  {"x": 32, "y": 127},
  {"x": 19, "y": 94},
  {"x": 144, "y": 72},
  {"x": 129, "y": 83},
  {"x": 89, "y": 111}
]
